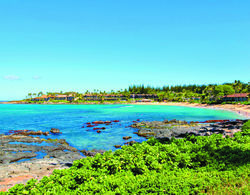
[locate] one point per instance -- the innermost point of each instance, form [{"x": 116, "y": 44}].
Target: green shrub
[
  {"x": 193, "y": 165},
  {"x": 246, "y": 128}
]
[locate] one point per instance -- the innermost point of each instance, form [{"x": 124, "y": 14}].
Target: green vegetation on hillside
[
  {"x": 193, "y": 165},
  {"x": 211, "y": 93}
]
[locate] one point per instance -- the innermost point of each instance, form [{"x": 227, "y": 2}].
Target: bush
[
  {"x": 246, "y": 128},
  {"x": 193, "y": 165}
]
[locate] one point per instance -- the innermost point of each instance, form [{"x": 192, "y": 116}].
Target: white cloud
[
  {"x": 36, "y": 77},
  {"x": 11, "y": 77}
]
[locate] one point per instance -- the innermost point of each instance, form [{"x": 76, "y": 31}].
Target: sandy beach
[{"x": 243, "y": 110}]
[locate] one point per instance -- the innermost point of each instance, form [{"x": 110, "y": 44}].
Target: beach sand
[{"x": 243, "y": 110}]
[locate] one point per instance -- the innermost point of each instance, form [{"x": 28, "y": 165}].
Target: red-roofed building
[
  {"x": 43, "y": 98},
  {"x": 65, "y": 97},
  {"x": 51, "y": 97},
  {"x": 236, "y": 97},
  {"x": 144, "y": 100},
  {"x": 61, "y": 97}
]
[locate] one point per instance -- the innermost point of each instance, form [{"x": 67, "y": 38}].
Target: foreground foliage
[{"x": 191, "y": 165}]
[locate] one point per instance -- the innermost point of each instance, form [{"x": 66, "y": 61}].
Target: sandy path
[{"x": 20, "y": 173}]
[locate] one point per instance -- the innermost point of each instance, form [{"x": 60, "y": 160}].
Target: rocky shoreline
[
  {"x": 23, "y": 156},
  {"x": 165, "y": 130},
  {"x": 23, "y": 145},
  {"x": 28, "y": 154}
]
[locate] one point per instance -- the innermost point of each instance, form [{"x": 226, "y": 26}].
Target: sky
[{"x": 81, "y": 45}]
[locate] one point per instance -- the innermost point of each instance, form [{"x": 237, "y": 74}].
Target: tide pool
[{"x": 70, "y": 119}]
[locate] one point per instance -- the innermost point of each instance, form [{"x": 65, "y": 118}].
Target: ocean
[{"x": 71, "y": 118}]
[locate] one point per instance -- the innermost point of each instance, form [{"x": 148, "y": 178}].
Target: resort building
[
  {"x": 64, "y": 97},
  {"x": 61, "y": 97},
  {"x": 51, "y": 97},
  {"x": 110, "y": 97},
  {"x": 98, "y": 97},
  {"x": 113, "y": 97},
  {"x": 236, "y": 97},
  {"x": 145, "y": 100},
  {"x": 43, "y": 98}
]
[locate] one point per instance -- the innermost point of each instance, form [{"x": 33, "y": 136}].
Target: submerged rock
[
  {"x": 98, "y": 128},
  {"x": 55, "y": 131},
  {"x": 9, "y": 157},
  {"x": 28, "y": 132},
  {"x": 98, "y": 122},
  {"x": 126, "y": 137},
  {"x": 18, "y": 147},
  {"x": 130, "y": 143},
  {"x": 117, "y": 146},
  {"x": 92, "y": 153}
]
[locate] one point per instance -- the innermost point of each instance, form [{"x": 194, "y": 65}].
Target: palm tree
[
  {"x": 237, "y": 85},
  {"x": 30, "y": 95},
  {"x": 40, "y": 93}
]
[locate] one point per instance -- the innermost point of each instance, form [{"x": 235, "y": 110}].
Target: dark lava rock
[
  {"x": 58, "y": 149},
  {"x": 68, "y": 164},
  {"x": 130, "y": 143},
  {"x": 117, "y": 146},
  {"x": 165, "y": 130},
  {"x": 126, "y": 137},
  {"x": 55, "y": 131},
  {"x": 97, "y": 128},
  {"x": 28, "y": 132},
  {"x": 65, "y": 156},
  {"x": 92, "y": 153},
  {"x": 98, "y": 122},
  {"x": 165, "y": 121},
  {"x": 14, "y": 157}
]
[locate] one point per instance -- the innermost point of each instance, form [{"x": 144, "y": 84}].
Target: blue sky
[{"x": 77, "y": 45}]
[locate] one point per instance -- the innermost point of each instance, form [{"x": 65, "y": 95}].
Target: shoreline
[
  {"x": 243, "y": 110},
  {"x": 14, "y": 172},
  {"x": 21, "y": 172}
]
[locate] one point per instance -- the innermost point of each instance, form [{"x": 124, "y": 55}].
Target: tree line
[{"x": 180, "y": 93}]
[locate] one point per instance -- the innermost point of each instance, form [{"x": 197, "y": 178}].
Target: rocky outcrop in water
[
  {"x": 27, "y": 132},
  {"x": 24, "y": 156},
  {"x": 126, "y": 137},
  {"x": 55, "y": 131},
  {"x": 179, "y": 129},
  {"x": 93, "y": 152},
  {"x": 23, "y": 147}
]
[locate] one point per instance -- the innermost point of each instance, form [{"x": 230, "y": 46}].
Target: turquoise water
[{"x": 70, "y": 119}]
